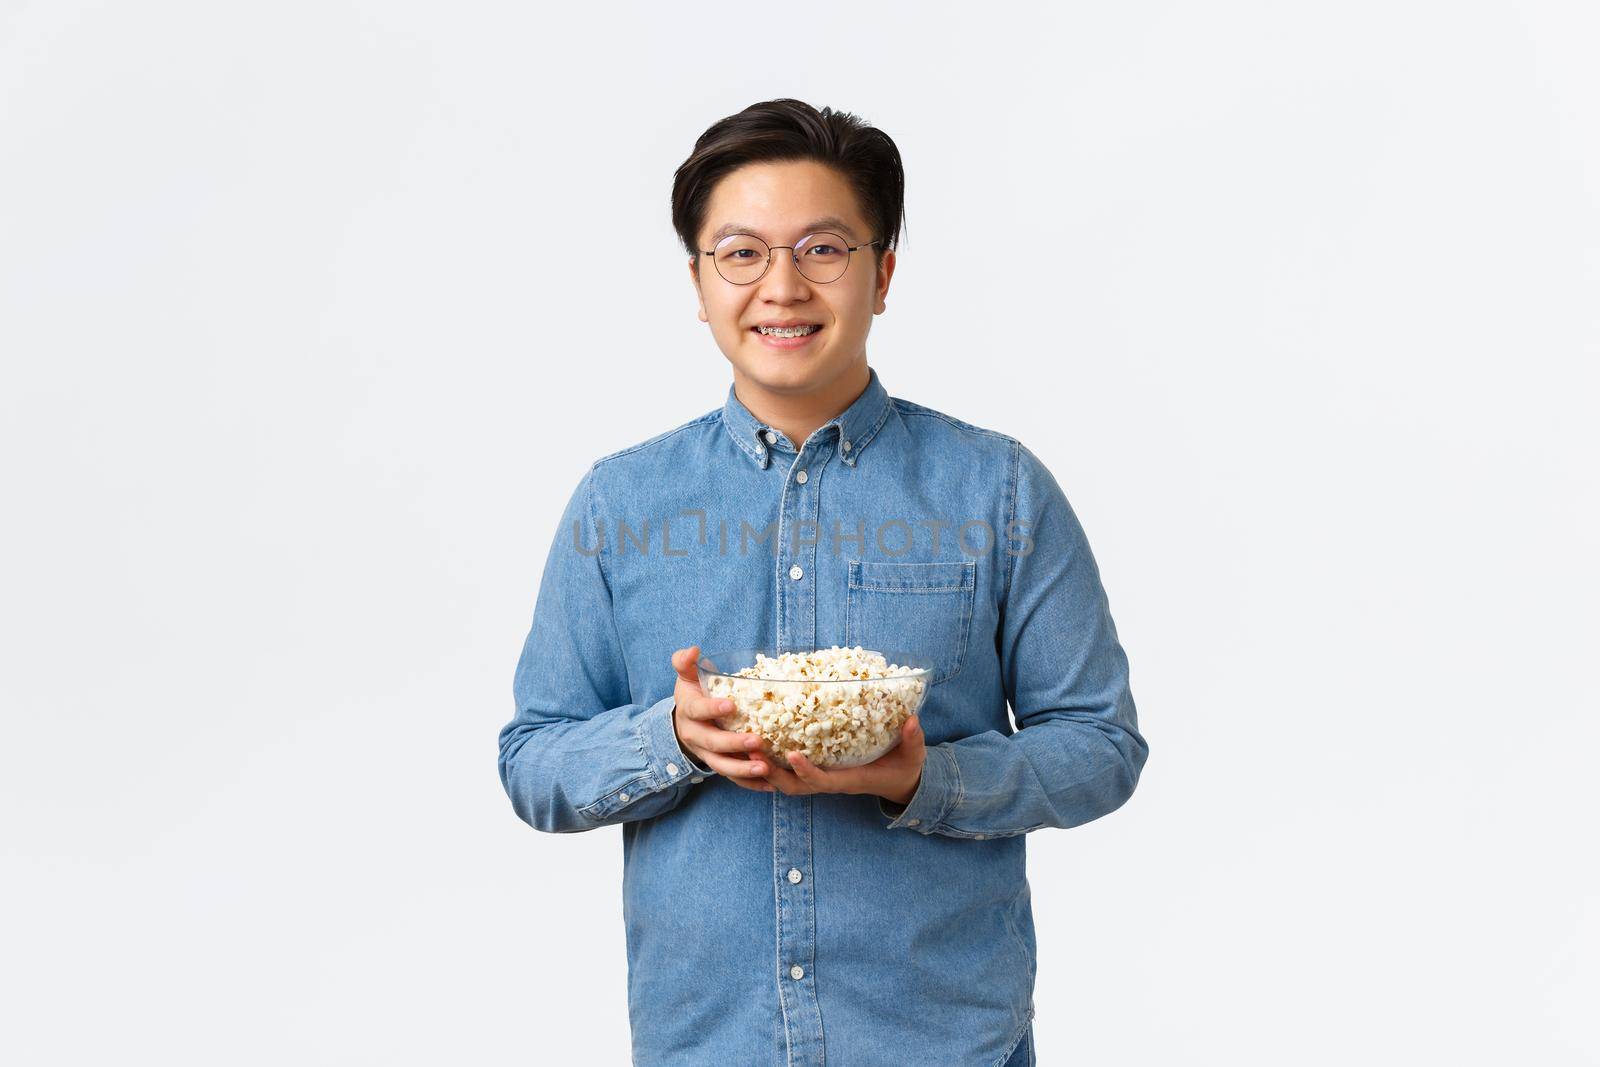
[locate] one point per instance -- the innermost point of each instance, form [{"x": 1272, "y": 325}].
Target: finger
[
  {"x": 737, "y": 769},
  {"x": 787, "y": 781},
  {"x": 698, "y": 706},
  {"x": 756, "y": 783},
  {"x": 731, "y": 741},
  {"x": 823, "y": 781}
]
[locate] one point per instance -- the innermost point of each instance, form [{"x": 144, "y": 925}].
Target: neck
[{"x": 797, "y": 415}]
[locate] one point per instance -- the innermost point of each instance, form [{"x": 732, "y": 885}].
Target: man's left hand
[{"x": 894, "y": 775}]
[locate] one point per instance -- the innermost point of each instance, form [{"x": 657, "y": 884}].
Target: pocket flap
[{"x": 955, "y": 576}]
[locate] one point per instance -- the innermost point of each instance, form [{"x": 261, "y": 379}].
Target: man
[{"x": 859, "y": 918}]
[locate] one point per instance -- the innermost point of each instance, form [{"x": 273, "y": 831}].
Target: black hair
[{"x": 788, "y": 130}]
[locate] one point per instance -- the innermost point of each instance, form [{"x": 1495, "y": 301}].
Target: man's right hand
[{"x": 735, "y": 756}]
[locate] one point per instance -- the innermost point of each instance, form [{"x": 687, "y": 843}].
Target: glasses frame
[{"x": 850, "y": 255}]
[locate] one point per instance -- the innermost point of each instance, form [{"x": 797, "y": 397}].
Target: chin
[{"x": 779, "y": 372}]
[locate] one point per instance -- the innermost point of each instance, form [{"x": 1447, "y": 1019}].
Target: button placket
[
  {"x": 797, "y": 926},
  {"x": 792, "y": 838},
  {"x": 798, "y": 598}
]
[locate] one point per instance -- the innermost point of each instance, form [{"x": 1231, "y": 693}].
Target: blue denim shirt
[{"x": 768, "y": 929}]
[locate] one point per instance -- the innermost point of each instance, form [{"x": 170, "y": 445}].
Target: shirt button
[
  {"x": 979, "y": 837},
  {"x": 697, "y": 779},
  {"x": 797, "y": 972},
  {"x": 845, "y": 446},
  {"x": 622, "y": 797},
  {"x": 771, "y": 437},
  {"x": 672, "y": 768},
  {"x": 913, "y": 822},
  {"x": 801, "y": 477},
  {"x": 796, "y": 573},
  {"x": 795, "y": 875}
]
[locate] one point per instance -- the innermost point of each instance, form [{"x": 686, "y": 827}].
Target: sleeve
[
  {"x": 1077, "y": 753},
  {"x": 577, "y": 755}
]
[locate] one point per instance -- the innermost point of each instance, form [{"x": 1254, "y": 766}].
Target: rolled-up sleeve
[
  {"x": 577, "y": 754},
  {"x": 1077, "y": 753}
]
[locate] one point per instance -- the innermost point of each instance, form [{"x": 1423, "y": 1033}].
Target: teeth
[{"x": 791, "y": 331}]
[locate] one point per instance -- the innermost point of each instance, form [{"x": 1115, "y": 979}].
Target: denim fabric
[
  {"x": 1023, "y": 1055},
  {"x": 767, "y": 929}
]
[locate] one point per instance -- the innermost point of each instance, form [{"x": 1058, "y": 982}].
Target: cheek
[
  {"x": 854, "y": 316},
  {"x": 722, "y": 317},
  {"x": 726, "y": 319},
  {"x": 725, "y": 306}
]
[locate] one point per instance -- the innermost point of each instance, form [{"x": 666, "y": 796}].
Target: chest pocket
[{"x": 921, "y": 609}]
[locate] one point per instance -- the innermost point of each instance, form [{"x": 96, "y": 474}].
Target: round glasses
[{"x": 742, "y": 258}]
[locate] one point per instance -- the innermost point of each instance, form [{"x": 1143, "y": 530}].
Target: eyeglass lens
[{"x": 741, "y": 258}]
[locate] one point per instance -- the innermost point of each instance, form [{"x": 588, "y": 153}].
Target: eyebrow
[{"x": 826, "y": 222}]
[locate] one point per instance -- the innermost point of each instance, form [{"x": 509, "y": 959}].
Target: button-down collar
[{"x": 857, "y": 425}]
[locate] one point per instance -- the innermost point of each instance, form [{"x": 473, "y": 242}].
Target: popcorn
[{"x": 842, "y": 707}]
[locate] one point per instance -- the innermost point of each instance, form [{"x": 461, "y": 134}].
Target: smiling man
[
  {"x": 874, "y": 916},
  {"x": 798, "y": 344}
]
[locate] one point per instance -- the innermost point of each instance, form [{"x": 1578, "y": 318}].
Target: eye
[{"x": 824, "y": 250}]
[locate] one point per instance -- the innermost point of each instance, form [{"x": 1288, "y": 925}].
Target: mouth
[{"x": 789, "y": 337}]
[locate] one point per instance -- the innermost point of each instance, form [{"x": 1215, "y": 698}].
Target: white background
[{"x": 301, "y": 359}]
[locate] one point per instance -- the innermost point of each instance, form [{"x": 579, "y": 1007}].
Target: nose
[{"x": 783, "y": 282}]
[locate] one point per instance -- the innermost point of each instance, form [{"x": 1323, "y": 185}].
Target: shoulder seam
[
  {"x": 589, "y": 494},
  {"x": 662, "y": 436},
  {"x": 1012, "y": 492},
  {"x": 908, "y": 407}
]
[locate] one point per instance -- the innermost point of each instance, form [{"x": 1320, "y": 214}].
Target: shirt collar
[{"x": 858, "y": 424}]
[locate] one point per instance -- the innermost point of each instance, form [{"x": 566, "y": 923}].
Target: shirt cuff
[
  {"x": 934, "y": 796},
  {"x": 668, "y": 760}
]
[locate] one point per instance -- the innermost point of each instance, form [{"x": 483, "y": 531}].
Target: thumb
[
  {"x": 684, "y": 660},
  {"x": 911, "y": 732}
]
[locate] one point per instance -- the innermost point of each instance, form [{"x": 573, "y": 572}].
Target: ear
[
  {"x": 694, "y": 275},
  {"x": 885, "y": 272}
]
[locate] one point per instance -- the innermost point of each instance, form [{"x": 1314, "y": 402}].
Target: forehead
[{"x": 782, "y": 201}]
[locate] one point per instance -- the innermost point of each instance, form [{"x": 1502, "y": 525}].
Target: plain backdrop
[{"x": 313, "y": 313}]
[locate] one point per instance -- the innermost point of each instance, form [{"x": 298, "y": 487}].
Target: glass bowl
[{"x": 836, "y": 722}]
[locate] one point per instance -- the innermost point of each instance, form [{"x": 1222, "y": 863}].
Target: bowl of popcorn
[{"x": 841, "y": 707}]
